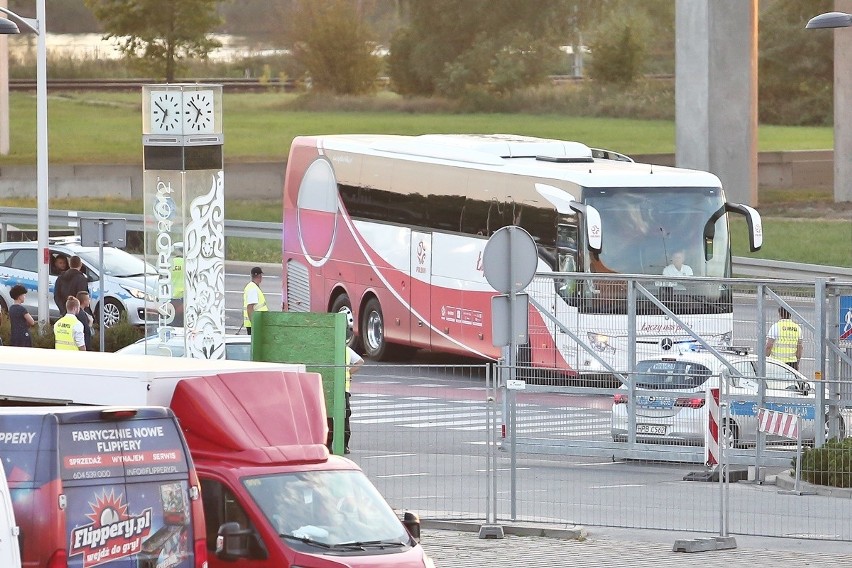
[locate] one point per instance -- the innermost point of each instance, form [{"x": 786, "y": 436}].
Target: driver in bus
[{"x": 675, "y": 268}]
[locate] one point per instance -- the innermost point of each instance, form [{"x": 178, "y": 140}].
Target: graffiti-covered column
[{"x": 184, "y": 204}]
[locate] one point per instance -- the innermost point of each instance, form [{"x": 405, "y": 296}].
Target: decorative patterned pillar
[{"x": 184, "y": 204}]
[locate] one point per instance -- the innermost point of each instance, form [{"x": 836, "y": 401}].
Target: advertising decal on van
[{"x": 126, "y": 514}]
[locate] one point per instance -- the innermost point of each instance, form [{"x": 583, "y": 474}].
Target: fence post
[{"x": 490, "y": 529}]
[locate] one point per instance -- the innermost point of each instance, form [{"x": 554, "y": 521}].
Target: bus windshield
[
  {"x": 664, "y": 232},
  {"x": 646, "y": 229}
]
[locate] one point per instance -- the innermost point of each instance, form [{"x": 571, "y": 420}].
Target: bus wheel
[
  {"x": 342, "y": 305},
  {"x": 373, "y": 331}
]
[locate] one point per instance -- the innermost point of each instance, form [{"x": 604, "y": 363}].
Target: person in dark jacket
[
  {"x": 70, "y": 283},
  {"x": 21, "y": 320},
  {"x": 86, "y": 318}
]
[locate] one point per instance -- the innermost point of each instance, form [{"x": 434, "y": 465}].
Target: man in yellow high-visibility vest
[
  {"x": 68, "y": 331},
  {"x": 253, "y": 299},
  {"x": 784, "y": 340}
]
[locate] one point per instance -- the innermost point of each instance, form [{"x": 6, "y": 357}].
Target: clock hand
[{"x": 161, "y": 108}]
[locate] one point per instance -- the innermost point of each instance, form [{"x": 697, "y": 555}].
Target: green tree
[
  {"x": 618, "y": 47},
  {"x": 333, "y": 42},
  {"x": 155, "y": 35},
  {"x": 796, "y": 66},
  {"x": 451, "y": 47}
]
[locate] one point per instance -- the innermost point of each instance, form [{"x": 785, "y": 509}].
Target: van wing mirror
[
  {"x": 412, "y": 523},
  {"x": 234, "y": 542},
  {"x": 565, "y": 204}
]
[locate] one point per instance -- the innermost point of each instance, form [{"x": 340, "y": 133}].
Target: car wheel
[
  {"x": 373, "y": 331},
  {"x": 731, "y": 434},
  {"x": 841, "y": 428},
  {"x": 343, "y": 305},
  {"x": 112, "y": 312}
]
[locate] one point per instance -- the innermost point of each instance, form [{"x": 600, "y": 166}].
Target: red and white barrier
[
  {"x": 778, "y": 423},
  {"x": 711, "y": 434}
]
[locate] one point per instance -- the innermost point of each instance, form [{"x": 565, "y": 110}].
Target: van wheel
[
  {"x": 343, "y": 305},
  {"x": 112, "y": 312},
  {"x": 373, "y": 331}
]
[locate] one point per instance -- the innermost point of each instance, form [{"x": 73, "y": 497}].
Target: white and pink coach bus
[{"x": 391, "y": 231}]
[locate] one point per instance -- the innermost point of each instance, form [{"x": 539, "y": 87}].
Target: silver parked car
[
  {"x": 237, "y": 347},
  {"x": 125, "y": 286},
  {"x": 679, "y": 415}
]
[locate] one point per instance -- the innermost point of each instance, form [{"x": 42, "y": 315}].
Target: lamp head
[
  {"x": 8, "y": 27},
  {"x": 830, "y": 20}
]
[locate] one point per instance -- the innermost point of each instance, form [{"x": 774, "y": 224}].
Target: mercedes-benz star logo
[{"x": 666, "y": 343}]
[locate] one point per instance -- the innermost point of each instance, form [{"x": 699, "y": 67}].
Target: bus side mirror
[{"x": 755, "y": 225}]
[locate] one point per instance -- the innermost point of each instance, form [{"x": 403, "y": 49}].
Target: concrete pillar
[
  {"x": 4, "y": 88},
  {"x": 842, "y": 106},
  {"x": 716, "y": 92}
]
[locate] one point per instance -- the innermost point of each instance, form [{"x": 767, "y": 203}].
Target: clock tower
[{"x": 184, "y": 211}]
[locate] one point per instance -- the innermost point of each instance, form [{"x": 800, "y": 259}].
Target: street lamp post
[{"x": 37, "y": 27}]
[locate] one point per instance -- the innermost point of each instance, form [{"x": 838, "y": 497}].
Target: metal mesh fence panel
[{"x": 420, "y": 432}]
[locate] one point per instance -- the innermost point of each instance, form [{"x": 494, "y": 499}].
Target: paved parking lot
[{"x": 607, "y": 547}]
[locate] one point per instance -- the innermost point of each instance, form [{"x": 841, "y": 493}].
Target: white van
[{"x": 10, "y": 553}]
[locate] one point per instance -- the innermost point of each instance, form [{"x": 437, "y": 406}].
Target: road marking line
[
  {"x": 386, "y": 456},
  {"x": 403, "y": 475}
]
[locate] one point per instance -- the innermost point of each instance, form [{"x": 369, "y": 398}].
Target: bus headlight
[{"x": 600, "y": 342}]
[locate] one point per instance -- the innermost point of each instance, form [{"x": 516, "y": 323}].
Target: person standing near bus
[
  {"x": 784, "y": 340},
  {"x": 19, "y": 318},
  {"x": 253, "y": 298},
  {"x": 353, "y": 363},
  {"x": 68, "y": 331}
]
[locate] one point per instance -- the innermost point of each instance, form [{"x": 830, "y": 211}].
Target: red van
[{"x": 273, "y": 496}]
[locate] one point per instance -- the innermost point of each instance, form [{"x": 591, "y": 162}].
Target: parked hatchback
[
  {"x": 124, "y": 282},
  {"x": 671, "y": 408}
]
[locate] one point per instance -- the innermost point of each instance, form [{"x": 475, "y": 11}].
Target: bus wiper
[{"x": 306, "y": 540}]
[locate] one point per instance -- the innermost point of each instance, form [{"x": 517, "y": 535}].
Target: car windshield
[
  {"x": 670, "y": 375},
  {"x": 327, "y": 508},
  {"x": 117, "y": 263}
]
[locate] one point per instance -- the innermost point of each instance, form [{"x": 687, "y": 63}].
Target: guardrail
[
  {"x": 742, "y": 266},
  {"x": 22, "y": 217}
]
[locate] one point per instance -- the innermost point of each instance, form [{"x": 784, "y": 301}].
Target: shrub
[
  {"x": 120, "y": 335},
  {"x": 829, "y": 465}
]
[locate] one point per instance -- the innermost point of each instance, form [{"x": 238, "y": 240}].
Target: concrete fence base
[{"x": 265, "y": 180}]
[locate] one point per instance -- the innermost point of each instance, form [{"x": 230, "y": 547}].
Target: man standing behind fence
[{"x": 784, "y": 340}]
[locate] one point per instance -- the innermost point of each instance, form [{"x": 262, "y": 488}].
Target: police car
[
  {"x": 671, "y": 407},
  {"x": 125, "y": 276}
]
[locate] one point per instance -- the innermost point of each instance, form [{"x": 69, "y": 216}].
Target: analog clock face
[
  {"x": 166, "y": 112},
  {"x": 198, "y": 112}
]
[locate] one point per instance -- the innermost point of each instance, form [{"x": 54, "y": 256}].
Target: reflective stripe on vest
[
  {"x": 784, "y": 348},
  {"x": 63, "y": 332},
  {"x": 259, "y": 307}
]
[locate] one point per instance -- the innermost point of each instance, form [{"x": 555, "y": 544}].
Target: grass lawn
[{"x": 92, "y": 127}]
